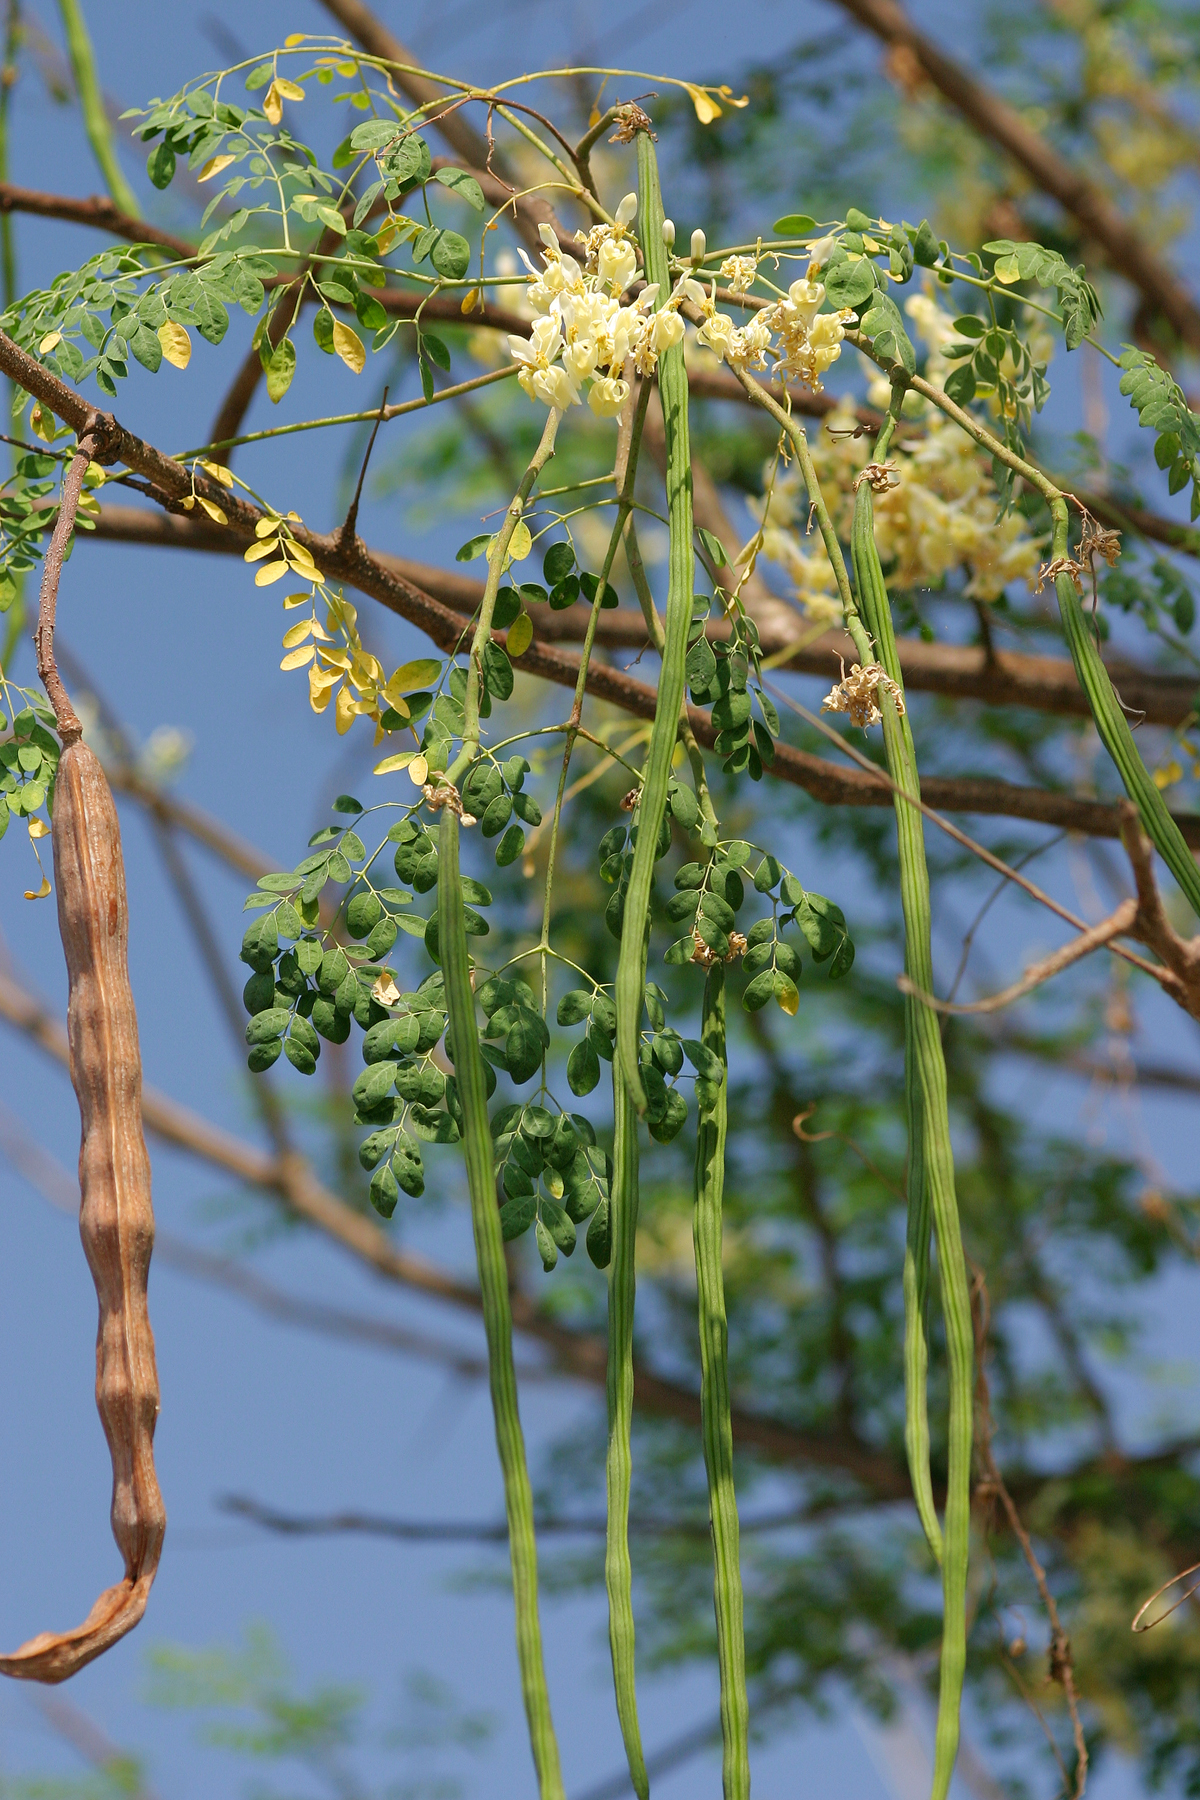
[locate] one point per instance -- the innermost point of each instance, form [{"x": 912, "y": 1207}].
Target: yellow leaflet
[
  {"x": 411, "y": 676},
  {"x": 42, "y": 423},
  {"x": 53, "y": 338},
  {"x": 320, "y": 688},
  {"x": 289, "y": 89},
  {"x": 1007, "y": 270},
  {"x": 38, "y": 893},
  {"x": 789, "y": 1000},
  {"x": 269, "y": 572},
  {"x": 273, "y": 103},
  {"x": 176, "y": 344},
  {"x": 213, "y": 166},
  {"x": 298, "y": 600},
  {"x": 296, "y": 517},
  {"x": 38, "y": 828},
  {"x": 520, "y": 543},
  {"x": 296, "y": 659},
  {"x": 386, "y": 236},
  {"x": 344, "y": 711},
  {"x": 337, "y": 659},
  {"x": 265, "y": 527},
  {"x": 390, "y": 764},
  {"x": 296, "y": 634},
  {"x": 218, "y": 471},
  {"x": 470, "y": 300},
  {"x": 367, "y": 667},
  {"x": 346, "y": 68},
  {"x": 188, "y": 502},
  {"x": 349, "y": 347},
  {"x": 293, "y": 38},
  {"x": 299, "y": 551},
  {"x": 213, "y": 510},
  {"x": 307, "y": 571},
  {"x": 418, "y": 771},
  {"x": 520, "y": 635},
  {"x": 319, "y": 631},
  {"x": 256, "y": 552}
]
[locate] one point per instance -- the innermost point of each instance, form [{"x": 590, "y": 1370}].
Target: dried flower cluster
[{"x": 858, "y": 694}]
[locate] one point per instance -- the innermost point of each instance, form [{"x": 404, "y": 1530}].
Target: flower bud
[
  {"x": 668, "y": 231},
  {"x": 699, "y": 246},
  {"x": 627, "y": 211}
]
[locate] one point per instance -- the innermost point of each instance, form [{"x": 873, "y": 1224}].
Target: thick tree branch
[
  {"x": 578, "y": 1353},
  {"x": 957, "y": 671},
  {"x": 97, "y": 210},
  {"x": 353, "y": 563},
  {"x": 991, "y": 117}
]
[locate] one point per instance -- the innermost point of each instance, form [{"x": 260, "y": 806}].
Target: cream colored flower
[{"x": 738, "y": 272}]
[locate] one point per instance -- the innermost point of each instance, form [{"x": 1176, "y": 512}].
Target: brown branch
[
  {"x": 69, "y": 727},
  {"x": 991, "y": 117},
  {"x": 1043, "y": 683},
  {"x": 97, "y": 211},
  {"x": 1181, "y": 956},
  {"x": 355, "y": 565},
  {"x": 1118, "y": 924},
  {"x": 1062, "y": 1669},
  {"x": 578, "y": 1354}
]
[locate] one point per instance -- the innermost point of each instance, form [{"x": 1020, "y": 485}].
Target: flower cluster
[
  {"x": 581, "y": 332},
  {"x": 803, "y": 340},
  {"x": 935, "y": 515}
]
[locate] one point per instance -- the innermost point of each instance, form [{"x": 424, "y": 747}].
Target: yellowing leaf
[
  {"x": 188, "y": 502},
  {"x": 346, "y": 68},
  {"x": 42, "y": 423},
  {"x": 390, "y": 764},
  {"x": 520, "y": 635},
  {"x": 789, "y": 998},
  {"x": 296, "y": 634},
  {"x": 273, "y": 103},
  {"x": 470, "y": 300},
  {"x": 706, "y": 107},
  {"x": 319, "y": 631},
  {"x": 411, "y": 676},
  {"x": 38, "y": 828},
  {"x": 270, "y": 572},
  {"x": 293, "y": 38},
  {"x": 38, "y": 893},
  {"x": 213, "y": 510},
  {"x": 1007, "y": 270},
  {"x": 320, "y": 687},
  {"x": 345, "y": 712},
  {"x": 256, "y": 552},
  {"x": 176, "y": 344},
  {"x": 520, "y": 543},
  {"x": 54, "y": 338},
  {"x": 386, "y": 236},
  {"x": 289, "y": 89},
  {"x": 268, "y": 526},
  {"x": 297, "y": 659},
  {"x": 213, "y": 166},
  {"x": 349, "y": 347},
  {"x": 297, "y": 600},
  {"x": 418, "y": 771},
  {"x": 218, "y": 471}
]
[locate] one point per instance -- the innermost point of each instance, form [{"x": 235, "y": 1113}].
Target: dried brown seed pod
[{"x": 116, "y": 1218}]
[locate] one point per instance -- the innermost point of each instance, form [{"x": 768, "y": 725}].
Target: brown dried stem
[
  {"x": 1062, "y": 1669},
  {"x": 69, "y": 727}
]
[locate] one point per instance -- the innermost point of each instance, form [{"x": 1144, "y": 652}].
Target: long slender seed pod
[
  {"x": 91, "y": 103},
  {"x": 916, "y": 1298},
  {"x": 1113, "y": 726},
  {"x": 673, "y": 391},
  {"x": 497, "y": 1314},
  {"x": 714, "y": 1399},
  {"x": 116, "y": 1218},
  {"x": 924, "y": 1039},
  {"x": 618, "y": 1569}
]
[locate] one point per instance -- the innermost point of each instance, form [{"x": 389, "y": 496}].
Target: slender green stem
[
  {"x": 497, "y": 1313},
  {"x": 487, "y": 606},
  {"x": 354, "y": 418},
  {"x": 931, "y": 1174},
  {"x": 673, "y": 390},
  {"x": 714, "y": 1398},
  {"x": 91, "y": 103}
]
